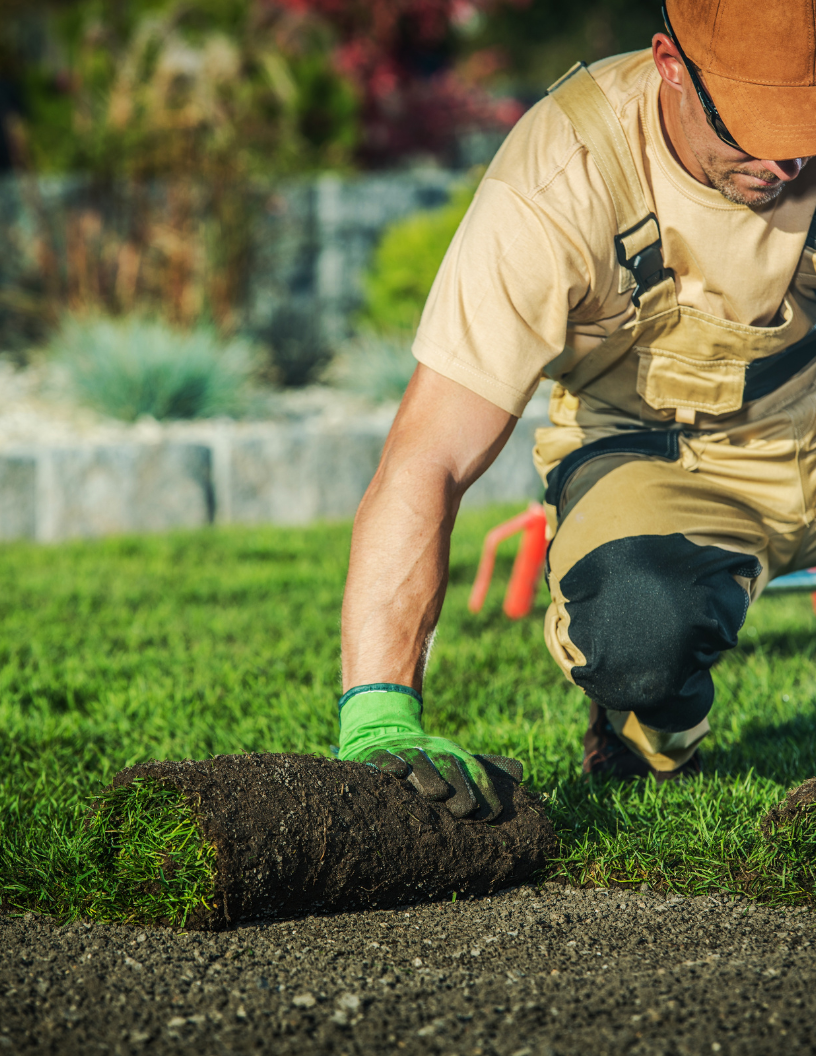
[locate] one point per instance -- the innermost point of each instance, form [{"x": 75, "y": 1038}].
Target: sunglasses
[{"x": 710, "y": 110}]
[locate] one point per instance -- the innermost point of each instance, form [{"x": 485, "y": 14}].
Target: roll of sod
[{"x": 285, "y": 835}]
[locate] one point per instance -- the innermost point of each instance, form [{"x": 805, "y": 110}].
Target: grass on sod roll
[
  {"x": 227, "y": 640},
  {"x": 137, "y": 856}
]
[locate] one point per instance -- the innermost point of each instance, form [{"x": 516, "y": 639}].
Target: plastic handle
[
  {"x": 521, "y": 590},
  {"x": 527, "y": 567}
]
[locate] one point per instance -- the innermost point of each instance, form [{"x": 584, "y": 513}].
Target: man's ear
[{"x": 667, "y": 59}]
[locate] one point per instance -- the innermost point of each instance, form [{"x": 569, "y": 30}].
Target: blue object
[{"x": 804, "y": 580}]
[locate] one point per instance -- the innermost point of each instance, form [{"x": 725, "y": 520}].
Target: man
[{"x": 641, "y": 239}]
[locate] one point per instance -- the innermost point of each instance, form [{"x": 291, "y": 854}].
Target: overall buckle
[{"x": 645, "y": 263}]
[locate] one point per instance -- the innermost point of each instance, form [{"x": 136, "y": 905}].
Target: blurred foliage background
[
  {"x": 179, "y": 117},
  {"x": 157, "y": 87}
]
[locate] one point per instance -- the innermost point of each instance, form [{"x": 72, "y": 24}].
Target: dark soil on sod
[{"x": 522, "y": 973}]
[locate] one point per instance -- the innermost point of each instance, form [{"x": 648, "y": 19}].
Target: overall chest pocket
[{"x": 666, "y": 379}]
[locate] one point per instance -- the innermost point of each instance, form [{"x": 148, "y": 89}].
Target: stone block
[
  {"x": 135, "y": 487},
  {"x": 18, "y": 496},
  {"x": 296, "y": 474},
  {"x": 350, "y": 460},
  {"x": 293, "y": 473}
]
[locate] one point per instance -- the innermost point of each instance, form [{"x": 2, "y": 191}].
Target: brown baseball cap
[{"x": 758, "y": 61}]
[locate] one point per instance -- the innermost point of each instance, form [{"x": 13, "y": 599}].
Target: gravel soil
[{"x": 524, "y": 973}]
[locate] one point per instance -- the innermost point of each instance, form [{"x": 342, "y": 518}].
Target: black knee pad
[{"x": 651, "y": 614}]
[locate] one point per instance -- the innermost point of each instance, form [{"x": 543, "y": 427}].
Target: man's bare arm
[{"x": 443, "y": 438}]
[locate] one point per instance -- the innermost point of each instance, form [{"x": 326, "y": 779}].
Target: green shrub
[
  {"x": 406, "y": 262},
  {"x": 133, "y": 366}
]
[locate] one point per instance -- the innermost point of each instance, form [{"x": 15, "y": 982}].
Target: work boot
[{"x": 605, "y": 753}]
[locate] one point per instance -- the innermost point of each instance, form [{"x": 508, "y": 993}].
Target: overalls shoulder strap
[
  {"x": 637, "y": 244},
  {"x": 810, "y": 241}
]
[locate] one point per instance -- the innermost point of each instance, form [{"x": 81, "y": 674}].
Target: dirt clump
[
  {"x": 797, "y": 803},
  {"x": 298, "y": 834}
]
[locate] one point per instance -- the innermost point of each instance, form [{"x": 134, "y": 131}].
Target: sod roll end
[{"x": 286, "y": 835}]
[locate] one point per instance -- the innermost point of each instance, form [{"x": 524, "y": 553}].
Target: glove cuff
[
  {"x": 379, "y": 687},
  {"x": 372, "y": 715}
]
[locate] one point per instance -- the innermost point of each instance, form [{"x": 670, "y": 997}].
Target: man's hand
[{"x": 381, "y": 726}]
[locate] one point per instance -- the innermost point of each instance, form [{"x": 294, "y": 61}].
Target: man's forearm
[
  {"x": 398, "y": 573},
  {"x": 444, "y": 437}
]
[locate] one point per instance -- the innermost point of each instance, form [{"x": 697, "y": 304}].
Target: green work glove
[{"x": 380, "y": 725}]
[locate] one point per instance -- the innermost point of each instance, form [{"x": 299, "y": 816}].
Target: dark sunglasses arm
[{"x": 712, "y": 114}]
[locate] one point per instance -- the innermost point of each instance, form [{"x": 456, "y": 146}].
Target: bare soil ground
[{"x": 524, "y": 973}]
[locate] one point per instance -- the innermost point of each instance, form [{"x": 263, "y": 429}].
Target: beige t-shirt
[{"x": 532, "y": 267}]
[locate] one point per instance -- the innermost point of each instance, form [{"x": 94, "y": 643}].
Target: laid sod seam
[{"x": 198, "y": 643}]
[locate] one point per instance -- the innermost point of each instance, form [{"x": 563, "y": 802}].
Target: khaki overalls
[{"x": 680, "y": 480}]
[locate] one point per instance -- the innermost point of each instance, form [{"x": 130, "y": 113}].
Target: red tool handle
[
  {"x": 521, "y": 589},
  {"x": 527, "y": 567}
]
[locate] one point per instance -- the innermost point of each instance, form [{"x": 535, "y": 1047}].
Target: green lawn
[{"x": 228, "y": 641}]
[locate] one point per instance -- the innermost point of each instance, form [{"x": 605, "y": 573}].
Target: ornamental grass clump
[
  {"x": 136, "y": 366},
  {"x": 376, "y": 366}
]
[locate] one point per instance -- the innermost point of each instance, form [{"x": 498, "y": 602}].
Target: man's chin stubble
[{"x": 723, "y": 182}]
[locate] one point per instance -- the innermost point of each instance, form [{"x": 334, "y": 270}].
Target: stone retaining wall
[{"x": 263, "y": 473}]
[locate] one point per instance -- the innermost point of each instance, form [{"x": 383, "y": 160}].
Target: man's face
[{"x": 738, "y": 177}]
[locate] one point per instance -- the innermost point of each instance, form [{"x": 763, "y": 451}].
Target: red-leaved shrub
[{"x": 399, "y": 55}]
